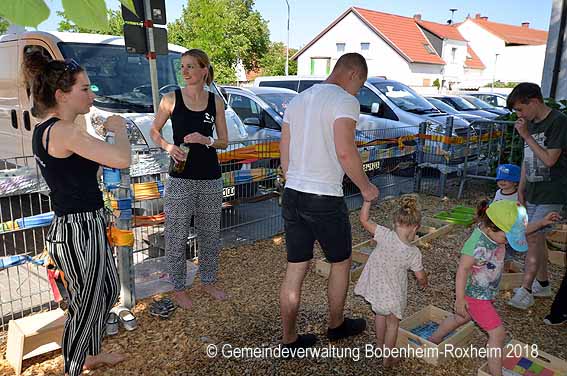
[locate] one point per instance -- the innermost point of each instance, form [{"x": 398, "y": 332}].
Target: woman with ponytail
[
  {"x": 69, "y": 159},
  {"x": 194, "y": 187},
  {"x": 383, "y": 282}
]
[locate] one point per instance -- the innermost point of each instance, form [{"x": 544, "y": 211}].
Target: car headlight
[{"x": 134, "y": 134}]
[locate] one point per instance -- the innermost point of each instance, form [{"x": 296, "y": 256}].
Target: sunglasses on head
[{"x": 70, "y": 66}]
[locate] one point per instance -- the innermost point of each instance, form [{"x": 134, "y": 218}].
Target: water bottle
[{"x": 110, "y": 176}]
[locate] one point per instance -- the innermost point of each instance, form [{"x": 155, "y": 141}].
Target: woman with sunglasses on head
[
  {"x": 194, "y": 186},
  {"x": 69, "y": 159}
]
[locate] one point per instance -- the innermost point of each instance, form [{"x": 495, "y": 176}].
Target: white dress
[{"x": 383, "y": 282}]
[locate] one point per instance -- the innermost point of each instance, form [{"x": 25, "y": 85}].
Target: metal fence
[
  {"x": 431, "y": 159},
  {"x": 449, "y": 158}
]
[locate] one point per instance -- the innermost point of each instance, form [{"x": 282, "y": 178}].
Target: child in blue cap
[{"x": 507, "y": 179}]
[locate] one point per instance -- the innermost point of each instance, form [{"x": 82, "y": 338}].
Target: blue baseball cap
[
  {"x": 508, "y": 172},
  {"x": 512, "y": 218}
]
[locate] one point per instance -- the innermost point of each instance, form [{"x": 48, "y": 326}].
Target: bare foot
[
  {"x": 215, "y": 292},
  {"x": 103, "y": 359},
  {"x": 182, "y": 299},
  {"x": 390, "y": 362}
]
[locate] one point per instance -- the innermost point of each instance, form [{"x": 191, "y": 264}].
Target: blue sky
[{"x": 309, "y": 17}]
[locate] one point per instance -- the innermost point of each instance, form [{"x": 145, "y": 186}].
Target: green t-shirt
[
  {"x": 547, "y": 185},
  {"x": 483, "y": 281}
]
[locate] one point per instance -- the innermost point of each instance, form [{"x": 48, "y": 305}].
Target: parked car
[
  {"x": 444, "y": 107},
  {"x": 261, "y": 109},
  {"x": 388, "y": 108},
  {"x": 495, "y": 99},
  {"x": 462, "y": 105},
  {"x": 479, "y": 103}
]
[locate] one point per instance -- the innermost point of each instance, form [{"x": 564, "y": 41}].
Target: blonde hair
[
  {"x": 408, "y": 214},
  {"x": 204, "y": 62}
]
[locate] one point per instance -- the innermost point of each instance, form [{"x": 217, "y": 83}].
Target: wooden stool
[{"x": 34, "y": 335}]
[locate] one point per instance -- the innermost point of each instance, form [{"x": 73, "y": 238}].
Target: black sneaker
[
  {"x": 349, "y": 328},
  {"x": 303, "y": 341},
  {"x": 555, "y": 320}
]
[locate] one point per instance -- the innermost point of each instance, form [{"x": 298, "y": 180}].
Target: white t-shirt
[
  {"x": 313, "y": 163},
  {"x": 502, "y": 196}
]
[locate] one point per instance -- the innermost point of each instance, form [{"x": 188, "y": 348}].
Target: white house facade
[
  {"x": 405, "y": 49},
  {"x": 510, "y": 53}
]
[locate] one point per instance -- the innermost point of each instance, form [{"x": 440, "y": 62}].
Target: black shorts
[{"x": 309, "y": 217}]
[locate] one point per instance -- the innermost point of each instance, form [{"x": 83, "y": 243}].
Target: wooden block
[
  {"x": 435, "y": 234},
  {"x": 34, "y": 335},
  {"x": 513, "y": 348},
  {"x": 512, "y": 279},
  {"x": 558, "y": 237},
  {"x": 557, "y": 257},
  {"x": 460, "y": 338}
]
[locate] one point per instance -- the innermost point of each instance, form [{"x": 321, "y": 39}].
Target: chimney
[
  {"x": 526, "y": 24},
  {"x": 417, "y": 17},
  {"x": 477, "y": 16}
]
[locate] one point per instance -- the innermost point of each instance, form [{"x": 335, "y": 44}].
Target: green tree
[
  {"x": 228, "y": 30},
  {"x": 115, "y": 24},
  {"x": 3, "y": 25},
  {"x": 273, "y": 62}
]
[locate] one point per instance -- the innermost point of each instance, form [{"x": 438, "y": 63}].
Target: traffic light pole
[{"x": 151, "y": 55}]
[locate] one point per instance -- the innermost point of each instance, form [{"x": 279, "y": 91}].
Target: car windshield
[
  {"x": 121, "y": 80},
  {"x": 278, "y": 101},
  {"x": 462, "y": 105},
  {"x": 442, "y": 106},
  {"x": 479, "y": 103},
  {"x": 404, "y": 97}
]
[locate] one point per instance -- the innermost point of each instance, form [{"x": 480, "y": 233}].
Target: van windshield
[
  {"x": 120, "y": 80},
  {"x": 404, "y": 97}
]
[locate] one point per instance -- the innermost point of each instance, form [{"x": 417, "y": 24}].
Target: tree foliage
[
  {"x": 3, "y": 25},
  {"x": 273, "y": 62},
  {"x": 115, "y": 24},
  {"x": 229, "y": 31}
]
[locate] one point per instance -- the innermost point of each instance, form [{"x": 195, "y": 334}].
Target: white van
[{"x": 121, "y": 82}]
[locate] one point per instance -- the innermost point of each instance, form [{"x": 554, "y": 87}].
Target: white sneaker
[
  {"x": 538, "y": 291},
  {"x": 522, "y": 299}
]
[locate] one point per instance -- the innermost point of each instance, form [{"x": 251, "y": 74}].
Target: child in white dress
[{"x": 383, "y": 282}]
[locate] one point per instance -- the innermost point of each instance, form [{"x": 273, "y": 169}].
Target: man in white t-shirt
[{"x": 317, "y": 148}]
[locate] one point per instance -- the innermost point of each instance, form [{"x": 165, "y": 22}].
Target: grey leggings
[{"x": 183, "y": 199}]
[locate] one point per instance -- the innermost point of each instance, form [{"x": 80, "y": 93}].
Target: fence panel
[{"x": 24, "y": 217}]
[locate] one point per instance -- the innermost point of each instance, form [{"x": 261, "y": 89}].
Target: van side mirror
[
  {"x": 252, "y": 121},
  {"x": 375, "y": 109}
]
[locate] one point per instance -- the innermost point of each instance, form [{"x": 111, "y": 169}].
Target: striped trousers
[
  {"x": 183, "y": 199},
  {"x": 78, "y": 245}
]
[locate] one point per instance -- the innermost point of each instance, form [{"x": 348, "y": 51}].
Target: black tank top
[
  {"x": 202, "y": 162},
  {"x": 72, "y": 181}
]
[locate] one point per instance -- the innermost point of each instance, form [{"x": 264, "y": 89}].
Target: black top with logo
[
  {"x": 202, "y": 162},
  {"x": 72, "y": 181}
]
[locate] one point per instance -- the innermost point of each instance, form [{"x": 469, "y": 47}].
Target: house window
[
  {"x": 340, "y": 48},
  {"x": 453, "y": 54},
  {"x": 364, "y": 47},
  {"x": 426, "y": 82},
  {"x": 429, "y": 49}
]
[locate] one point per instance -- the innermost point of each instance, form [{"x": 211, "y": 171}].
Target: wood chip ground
[{"x": 252, "y": 276}]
